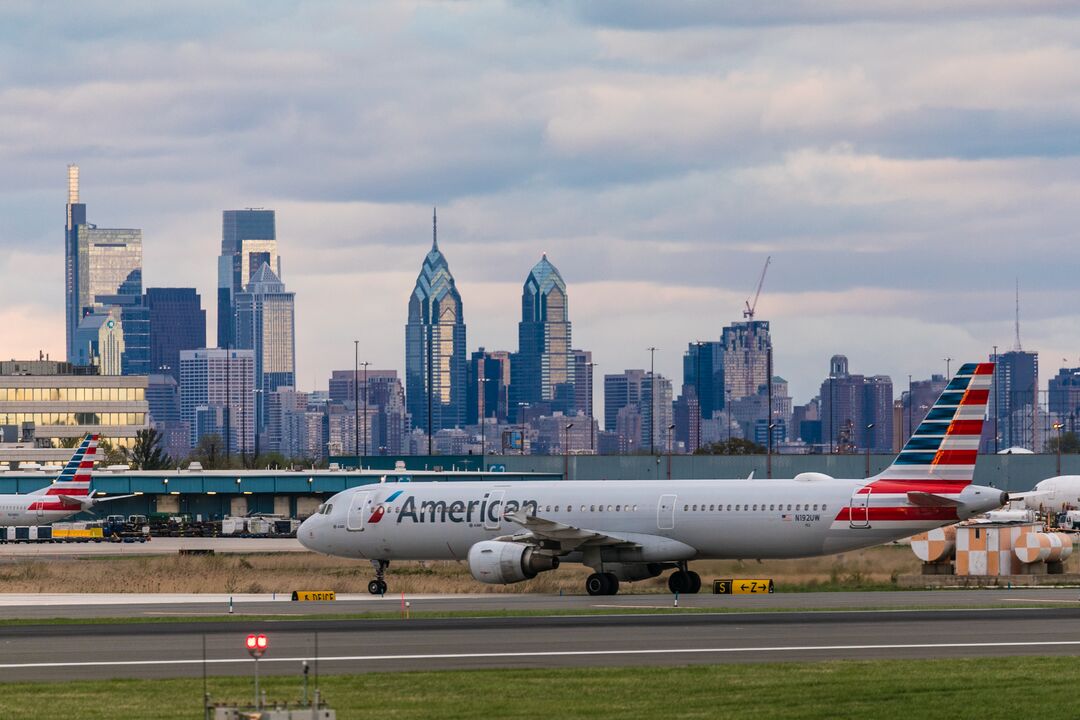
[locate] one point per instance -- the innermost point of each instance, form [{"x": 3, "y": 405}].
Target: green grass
[{"x": 946, "y": 689}]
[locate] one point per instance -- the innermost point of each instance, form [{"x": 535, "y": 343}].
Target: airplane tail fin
[
  {"x": 75, "y": 481},
  {"x": 942, "y": 449}
]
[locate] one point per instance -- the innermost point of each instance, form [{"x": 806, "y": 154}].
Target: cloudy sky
[{"x": 904, "y": 165}]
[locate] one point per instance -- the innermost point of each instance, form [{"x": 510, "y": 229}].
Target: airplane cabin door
[
  {"x": 665, "y": 512},
  {"x": 40, "y": 511},
  {"x": 859, "y": 508},
  {"x": 359, "y": 507}
]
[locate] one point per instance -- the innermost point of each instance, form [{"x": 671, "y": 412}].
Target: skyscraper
[
  {"x": 583, "y": 382},
  {"x": 177, "y": 322},
  {"x": 265, "y": 323},
  {"x": 542, "y": 371},
  {"x": 1014, "y": 401},
  {"x": 103, "y": 269},
  {"x": 850, "y": 404},
  {"x": 489, "y": 386},
  {"x": 216, "y": 396},
  {"x": 435, "y": 372},
  {"x": 248, "y": 240}
]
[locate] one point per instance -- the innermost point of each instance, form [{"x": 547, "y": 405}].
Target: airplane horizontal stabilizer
[{"x": 925, "y": 499}]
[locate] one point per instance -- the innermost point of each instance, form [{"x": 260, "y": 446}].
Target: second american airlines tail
[{"x": 633, "y": 530}]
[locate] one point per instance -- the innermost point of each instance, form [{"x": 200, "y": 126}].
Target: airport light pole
[
  {"x": 367, "y": 421},
  {"x": 481, "y": 405},
  {"x": 670, "y": 438},
  {"x": 356, "y": 401},
  {"x": 566, "y": 451},
  {"x": 1058, "y": 426},
  {"x": 868, "y": 429},
  {"x": 652, "y": 399}
]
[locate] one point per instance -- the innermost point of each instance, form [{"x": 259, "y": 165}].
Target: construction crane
[{"x": 748, "y": 313}]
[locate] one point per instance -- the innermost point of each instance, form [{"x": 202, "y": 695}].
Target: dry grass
[{"x": 285, "y": 572}]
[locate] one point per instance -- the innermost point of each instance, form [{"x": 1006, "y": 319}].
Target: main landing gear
[
  {"x": 684, "y": 581},
  {"x": 602, "y": 584},
  {"x": 378, "y": 585}
]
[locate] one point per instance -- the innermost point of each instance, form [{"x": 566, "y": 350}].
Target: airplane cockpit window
[{"x": 320, "y": 509}]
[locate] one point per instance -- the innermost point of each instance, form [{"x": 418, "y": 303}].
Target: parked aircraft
[
  {"x": 71, "y": 492},
  {"x": 633, "y": 530},
  {"x": 1056, "y": 494}
]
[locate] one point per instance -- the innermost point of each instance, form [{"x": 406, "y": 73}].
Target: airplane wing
[{"x": 540, "y": 531}]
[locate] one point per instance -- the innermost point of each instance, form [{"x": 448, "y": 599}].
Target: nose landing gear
[{"x": 378, "y": 585}]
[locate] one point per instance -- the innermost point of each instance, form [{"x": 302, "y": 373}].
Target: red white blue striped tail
[
  {"x": 75, "y": 479},
  {"x": 940, "y": 455}
]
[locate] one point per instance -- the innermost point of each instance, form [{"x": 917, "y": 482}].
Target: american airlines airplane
[
  {"x": 68, "y": 494},
  {"x": 632, "y": 530}
]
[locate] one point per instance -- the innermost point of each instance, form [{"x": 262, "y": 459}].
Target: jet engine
[{"x": 502, "y": 563}]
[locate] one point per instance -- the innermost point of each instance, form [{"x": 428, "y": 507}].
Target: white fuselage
[
  {"x": 671, "y": 520},
  {"x": 1055, "y": 494},
  {"x": 33, "y": 510}
]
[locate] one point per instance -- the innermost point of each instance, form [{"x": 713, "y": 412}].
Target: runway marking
[
  {"x": 545, "y": 654},
  {"x": 1035, "y": 600}
]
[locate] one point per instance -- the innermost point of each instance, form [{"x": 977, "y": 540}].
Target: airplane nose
[{"x": 306, "y": 533}]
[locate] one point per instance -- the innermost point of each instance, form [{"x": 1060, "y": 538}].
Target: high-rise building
[
  {"x": 622, "y": 390},
  {"x": 103, "y": 269},
  {"x": 735, "y": 367},
  {"x": 216, "y": 396},
  {"x": 583, "y": 382},
  {"x": 543, "y": 368},
  {"x": 489, "y": 386},
  {"x": 248, "y": 241},
  {"x": 1064, "y": 397},
  {"x": 745, "y": 358},
  {"x": 265, "y": 323},
  {"x": 1014, "y": 402},
  {"x": 370, "y": 417},
  {"x": 163, "y": 398},
  {"x": 703, "y": 370},
  {"x": 655, "y": 410},
  {"x": 177, "y": 322},
  {"x": 850, "y": 404},
  {"x": 99, "y": 341},
  {"x": 435, "y": 364},
  {"x": 687, "y": 418}
]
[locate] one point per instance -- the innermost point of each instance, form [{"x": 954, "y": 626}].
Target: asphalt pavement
[{"x": 174, "y": 649}]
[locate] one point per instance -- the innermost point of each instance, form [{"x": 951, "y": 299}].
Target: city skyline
[{"x": 656, "y": 160}]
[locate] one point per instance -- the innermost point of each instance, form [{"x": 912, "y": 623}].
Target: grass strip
[{"x": 885, "y": 689}]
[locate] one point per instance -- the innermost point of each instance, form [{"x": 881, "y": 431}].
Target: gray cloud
[{"x": 910, "y": 158}]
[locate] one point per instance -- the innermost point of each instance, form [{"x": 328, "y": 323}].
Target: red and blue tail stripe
[
  {"x": 944, "y": 446},
  {"x": 75, "y": 479}
]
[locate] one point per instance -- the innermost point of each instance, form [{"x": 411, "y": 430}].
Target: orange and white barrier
[{"x": 935, "y": 545}]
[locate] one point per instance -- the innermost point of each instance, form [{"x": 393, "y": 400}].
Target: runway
[
  {"x": 175, "y": 649},
  {"x": 128, "y": 605}
]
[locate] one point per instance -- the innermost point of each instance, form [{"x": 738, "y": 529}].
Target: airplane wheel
[
  {"x": 377, "y": 587},
  {"x": 695, "y": 583},
  {"x": 612, "y": 584},
  {"x": 596, "y": 584},
  {"x": 679, "y": 582}
]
